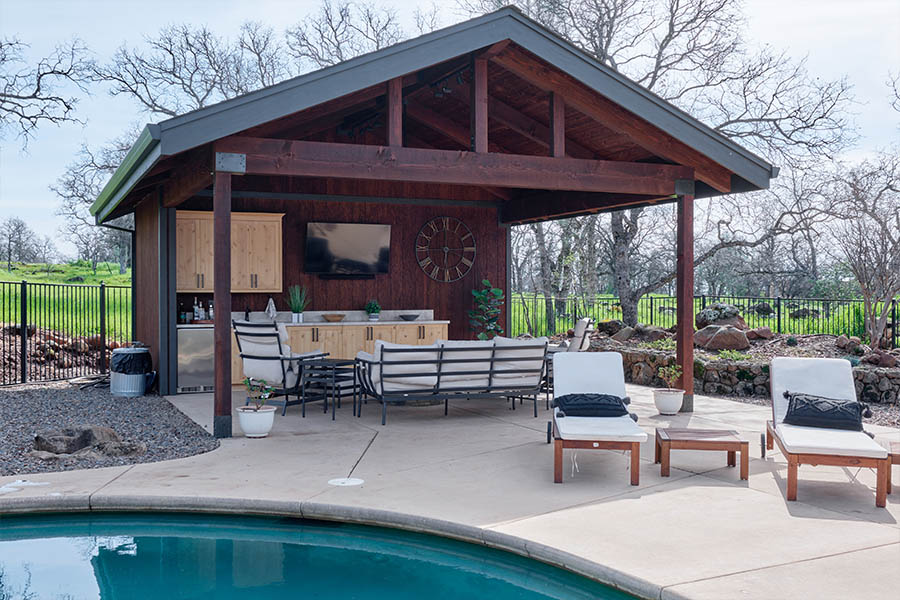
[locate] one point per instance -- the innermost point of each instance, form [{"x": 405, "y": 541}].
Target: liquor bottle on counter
[
  {"x": 211, "y": 315},
  {"x": 196, "y": 309}
]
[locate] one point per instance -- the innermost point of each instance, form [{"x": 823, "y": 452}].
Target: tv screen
[{"x": 347, "y": 248}]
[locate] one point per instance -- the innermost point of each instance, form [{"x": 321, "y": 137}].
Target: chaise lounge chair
[
  {"x": 830, "y": 378},
  {"x": 592, "y": 373}
]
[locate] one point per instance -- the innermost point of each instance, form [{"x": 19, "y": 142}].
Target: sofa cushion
[
  {"x": 399, "y": 370},
  {"x": 476, "y": 355},
  {"x": 520, "y": 359},
  {"x": 818, "y": 411}
]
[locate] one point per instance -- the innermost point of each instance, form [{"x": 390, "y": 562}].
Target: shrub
[
  {"x": 733, "y": 355},
  {"x": 853, "y": 360},
  {"x": 372, "y": 307},
  {"x": 791, "y": 341},
  {"x": 670, "y": 374},
  {"x": 660, "y": 344},
  {"x": 298, "y": 299},
  {"x": 485, "y": 318}
]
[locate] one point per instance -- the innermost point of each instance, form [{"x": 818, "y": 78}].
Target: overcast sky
[{"x": 858, "y": 39}]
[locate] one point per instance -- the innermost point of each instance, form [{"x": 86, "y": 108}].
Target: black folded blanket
[{"x": 590, "y": 405}]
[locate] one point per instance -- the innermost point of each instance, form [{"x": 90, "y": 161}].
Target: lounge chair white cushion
[
  {"x": 529, "y": 354},
  {"x": 476, "y": 353},
  {"x": 588, "y": 373},
  {"x": 599, "y": 429},
  {"x": 829, "y": 377},
  {"x": 577, "y": 343},
  {"x": 832, "y": 442}
]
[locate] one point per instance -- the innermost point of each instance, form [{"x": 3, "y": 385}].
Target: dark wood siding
[
  {"x": 406, "y": 286},
  {"x": 146, "y": 282}
]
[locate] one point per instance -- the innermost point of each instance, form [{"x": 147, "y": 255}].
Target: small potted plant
[
  {"x": 668, "y": 400},
  {"x": 373, "y": 309},
  {"x": 298, "y": 300},
  {"x": 256, "y": 419}
]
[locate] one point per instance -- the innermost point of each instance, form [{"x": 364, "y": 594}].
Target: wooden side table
[
  {"x": 894, "y": 456},
  {"x": 701, "y": 439}
]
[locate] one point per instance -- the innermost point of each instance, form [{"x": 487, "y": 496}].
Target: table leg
[
  {"x": 664, "y": 450},
  {"x": 731, "y": 457},
  {"x": 656, "y": 450},
  {"x": 745, "y": 460},
  {"x": 557, "y": 461},
  {"x": 333, "y": 393},
  {"x": 635, "y": 463}
]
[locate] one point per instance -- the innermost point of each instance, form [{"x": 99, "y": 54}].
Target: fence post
[
  {"x": 651, "y": 310},
  {"x": 702, "y": 301},
  {"x": 102, "y": 327},
  {"x": 778, "y": 313},
  {"x": 23, "y": 330}
]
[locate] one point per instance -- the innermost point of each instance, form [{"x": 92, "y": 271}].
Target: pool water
[{"x": 135, "y": 556}]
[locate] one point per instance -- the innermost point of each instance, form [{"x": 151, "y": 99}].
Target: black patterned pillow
[
  {"x": 590, "y": 405},
  {"x": 809, "y": 410}
]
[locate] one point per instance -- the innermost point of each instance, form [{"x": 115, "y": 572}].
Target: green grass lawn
[{"x": 72, "y": 308}]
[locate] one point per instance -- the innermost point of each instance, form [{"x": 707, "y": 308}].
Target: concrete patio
[{"x": 485, "y": 473}]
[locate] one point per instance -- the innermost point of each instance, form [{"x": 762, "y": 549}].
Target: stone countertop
[{"x": 327, "y": 324}]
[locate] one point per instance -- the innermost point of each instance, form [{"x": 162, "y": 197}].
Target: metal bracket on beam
[
  {"x": 684, "y": 187},
  {"x": 230, "y": 162}
]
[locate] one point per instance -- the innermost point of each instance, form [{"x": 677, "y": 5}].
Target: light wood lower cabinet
[{"x": 345, "y": 341}]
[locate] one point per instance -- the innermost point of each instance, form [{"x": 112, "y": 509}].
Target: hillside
[{"x": 66, "y": 273}]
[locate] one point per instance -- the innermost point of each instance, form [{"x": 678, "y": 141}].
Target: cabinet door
[
  {"x": 203, "y": 250},
  {"x": 328, "y": 339},
  {"x": 433, "y": 332},
  {"x": 186, "y": 277},
  {"x": 237, "y": 365},
  {"x": 406, "y": 334},
  {"x": 241, "y": 280},
  {"x": 353, "y": 339},
  {"x": 264, "y": 254},
  {"x": 300, "y": 339}
]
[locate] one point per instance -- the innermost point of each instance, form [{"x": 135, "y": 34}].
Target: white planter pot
[
  {"x": 374, "y": 316},
  {"x": 256, "y": 424},
  {"x": 296, "y": 317},
  {"x": 668, "y": 401}
]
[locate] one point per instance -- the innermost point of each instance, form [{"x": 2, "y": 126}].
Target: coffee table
[
  {"x": 701, "y": 439},
  {"x": 894, "y": 455}
]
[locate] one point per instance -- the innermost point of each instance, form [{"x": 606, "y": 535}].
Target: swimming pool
[{"x": 168, "y": 555}]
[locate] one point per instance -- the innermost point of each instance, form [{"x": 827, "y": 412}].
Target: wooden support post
[
  {"x": 479, "y": 106},
  {"x": 395, "y": 112},
  {"x": 684, "y": 349},
  {"x": 222, "y": 300},
  {"x": 557, "y": 125}
]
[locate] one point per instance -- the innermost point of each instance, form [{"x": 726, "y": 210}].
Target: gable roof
[{"x": 228, "y": 117}]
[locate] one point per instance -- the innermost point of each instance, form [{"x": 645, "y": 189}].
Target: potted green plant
[
  {"x": 668, "y": 400},
  {"x": 256, "y": 418},
  {"x": 485, "y": 317},
  {"x": 298, "y": 300},
  {"x": 373, "y": 309}
]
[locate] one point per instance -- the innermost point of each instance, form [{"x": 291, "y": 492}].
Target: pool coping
[{"x": 81, "y": 503}]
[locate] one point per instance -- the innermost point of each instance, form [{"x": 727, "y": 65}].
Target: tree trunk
[
  {"x": 622, "y": 239},
  {"x": 545, "y": 276}
]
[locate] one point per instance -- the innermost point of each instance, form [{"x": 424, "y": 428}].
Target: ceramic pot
[
  {"x": 668, "y": 401},
  {"x": 297, "y": 317},
  {"x": 256, "y": 423}
]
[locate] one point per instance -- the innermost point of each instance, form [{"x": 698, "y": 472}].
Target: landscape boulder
[
  {"x": 763, "y": 309},
  {"x": 623, "y": 334},
  {"x": 721, "y": 337},
  {"x": 610, "y": 327},
  {"x": 720, "y": 313},
  {"x": 842, "y": 341},
  {"x": 652, "y": 333},
  {"x": 880, "y": 358},
  {"x": 760, "y": 333},
  {"x": 72, "y": 439}
]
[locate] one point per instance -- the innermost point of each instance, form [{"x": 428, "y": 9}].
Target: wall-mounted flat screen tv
[{"x": 347, "y": 248}]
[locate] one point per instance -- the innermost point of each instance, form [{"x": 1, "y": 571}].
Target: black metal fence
[
  {"x": 541, "y": 315},
  {"x": 51, "y": 331}
]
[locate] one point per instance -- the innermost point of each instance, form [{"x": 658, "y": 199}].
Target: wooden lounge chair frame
[{"x": 560, "y": 444}]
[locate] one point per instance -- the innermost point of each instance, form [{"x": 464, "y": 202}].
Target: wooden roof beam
[
  {"x": 616, "y": 118},
  {"x": 194, "y": 173},
  {"x": 355, "y": 161},
  {"x": 544, "y": 206}
]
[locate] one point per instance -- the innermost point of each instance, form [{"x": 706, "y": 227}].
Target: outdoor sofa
[
  {"x": 831, "y": 378},
  {"x": 449, "y": 370}
]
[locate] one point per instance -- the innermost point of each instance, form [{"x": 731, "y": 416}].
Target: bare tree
[
  {"x": 339, "y": 31},
  {"x": 867, "y": 232},
  {"x": 691, "y": 53},
  {"x": 31, "y": 95},
  {"x": 45, "y": 251},
  {"x": 16, "y": 241}
]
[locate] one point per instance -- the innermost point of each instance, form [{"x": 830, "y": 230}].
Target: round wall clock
[{"x": 445, "y": 249}]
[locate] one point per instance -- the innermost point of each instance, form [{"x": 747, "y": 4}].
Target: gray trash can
[{"x": 128, "y": 370}]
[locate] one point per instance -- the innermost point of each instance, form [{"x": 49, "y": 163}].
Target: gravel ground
[{"x": 27, "y": 409}]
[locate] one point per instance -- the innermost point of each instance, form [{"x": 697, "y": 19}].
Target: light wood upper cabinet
[{"x": 256, "y": 252}]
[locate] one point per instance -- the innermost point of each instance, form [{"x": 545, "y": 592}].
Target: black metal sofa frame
[{"x": 459, "y": 389}]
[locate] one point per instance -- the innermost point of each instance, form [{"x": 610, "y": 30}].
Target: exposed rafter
[{"x": 541, "y": 206}]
